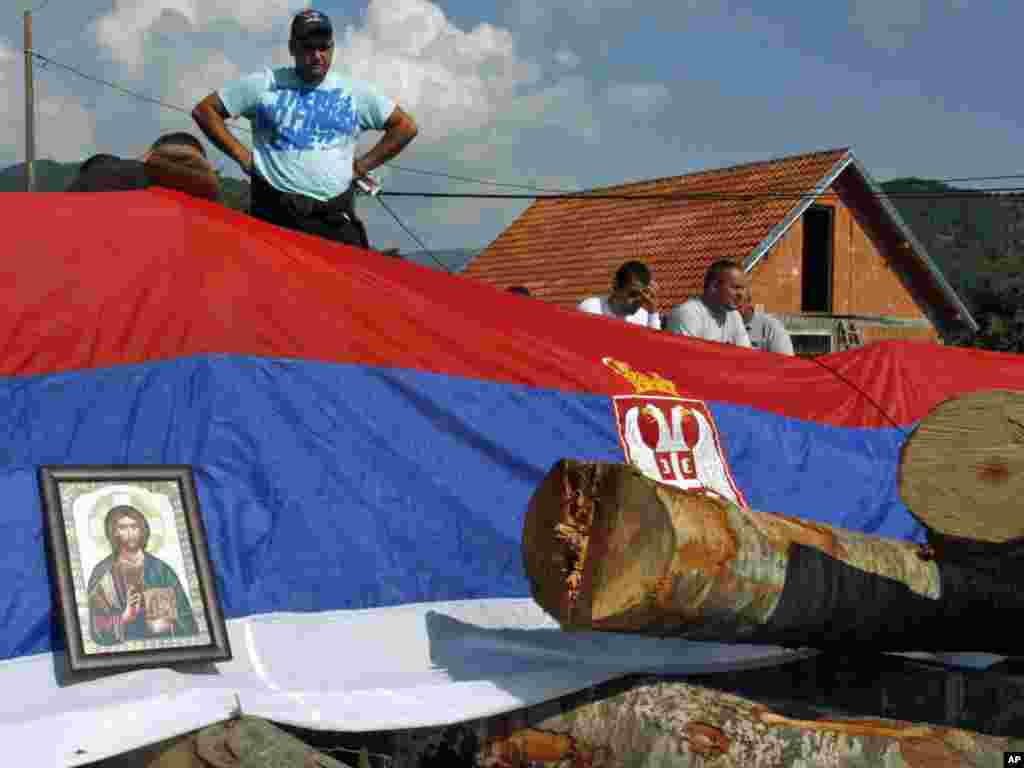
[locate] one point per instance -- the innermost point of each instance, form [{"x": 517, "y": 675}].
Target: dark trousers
[{"x": 332, "y": 220}]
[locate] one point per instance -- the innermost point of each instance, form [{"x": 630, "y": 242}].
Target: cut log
[
  {"x": 961, "y": 471},
  {"x": 245, "y": 742},
  {"x": 678, "y": 725},
  {"x": 607, "y": 548}
]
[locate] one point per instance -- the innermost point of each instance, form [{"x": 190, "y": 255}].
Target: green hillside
[
  {"x": 51, "y": 176},
  {"x": 977, "y": 239}
]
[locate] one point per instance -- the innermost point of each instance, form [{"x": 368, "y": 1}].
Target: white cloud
[
  {"x": 638, "y": 98},
  {"x": 566, "y": 58},
  {"x": 122, "y": 32},
  {"x": 200, "y": 76},
  {"x": 887, "y": 23},
  {"x": 565, "y": 106},
  {"x": 890, "y": 24},
  {"x": 451, "y": 80},
  {"x": 64, "y": 130},
  {"x": 534, "y": 13}
]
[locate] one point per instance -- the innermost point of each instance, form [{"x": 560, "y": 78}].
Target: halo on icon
[{"x": 146, "y": 502}]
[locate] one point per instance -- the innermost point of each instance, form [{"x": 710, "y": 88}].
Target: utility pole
[{"x": 30, "y": 108}]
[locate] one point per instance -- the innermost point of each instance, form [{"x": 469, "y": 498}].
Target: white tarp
[{"x": 408, "y": 666}]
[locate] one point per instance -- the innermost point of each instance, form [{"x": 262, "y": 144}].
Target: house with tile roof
[{"x": 826, "y": 251}]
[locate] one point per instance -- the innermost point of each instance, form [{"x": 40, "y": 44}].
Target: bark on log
[
  {"x": 961, "y": 471},
  {"x": 678, "y": 725},
  {"x": 245, "y": 742},
  {"x": 606, "y": 548}
]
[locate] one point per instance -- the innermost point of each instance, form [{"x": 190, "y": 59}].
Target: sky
[{"x": 560, "y": 94}]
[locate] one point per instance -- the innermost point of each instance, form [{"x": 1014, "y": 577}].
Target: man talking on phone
[{"x": 306, "y": 120}]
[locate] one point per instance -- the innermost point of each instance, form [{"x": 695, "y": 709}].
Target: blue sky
[{"x": 559, "y": 93}]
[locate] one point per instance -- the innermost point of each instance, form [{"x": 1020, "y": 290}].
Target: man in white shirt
[
  {"x": 766, "y": 331},
  {"x": 713, "y": 316},
  {"x": 633, "y": 297}
]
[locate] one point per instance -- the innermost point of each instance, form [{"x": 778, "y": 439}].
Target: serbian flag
[{"x": 365, "y": 435}]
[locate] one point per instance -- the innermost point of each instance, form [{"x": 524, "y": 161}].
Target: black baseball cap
[{"x": 311, "y": 23}]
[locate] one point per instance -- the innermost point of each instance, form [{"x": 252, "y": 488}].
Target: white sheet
[{"x": 386, "y": 668}]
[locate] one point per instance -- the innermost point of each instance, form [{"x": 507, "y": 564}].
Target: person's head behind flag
[
  {"x": 175, "y": 160},
  {"x": 631, "y": 286}
]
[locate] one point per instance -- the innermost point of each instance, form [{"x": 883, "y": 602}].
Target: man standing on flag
[{"x": 306, "y": 120}]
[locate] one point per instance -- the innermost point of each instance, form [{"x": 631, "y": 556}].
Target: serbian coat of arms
[{"x": 670, "y": 438}]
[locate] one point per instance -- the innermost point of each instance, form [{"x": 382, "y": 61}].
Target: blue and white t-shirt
[{"x": 305, "y": 137}]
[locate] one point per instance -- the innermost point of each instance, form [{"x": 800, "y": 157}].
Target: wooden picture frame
[{"x": 132, "y": 576}]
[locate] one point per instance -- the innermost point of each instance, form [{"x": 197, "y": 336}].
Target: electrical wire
[
  {"x": 127, "y": 91},
  {"x": 412, "y": 234},
  {"x": 715, "y": 196},
  {"x": 575, "y": 194},
  {"x": 874, "y": 403},
  {"x": 476, "y": 181},
  {"x": 1004, "y": 177}
]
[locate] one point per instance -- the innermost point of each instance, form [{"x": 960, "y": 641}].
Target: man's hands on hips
[{"x": 246, "y": 162}]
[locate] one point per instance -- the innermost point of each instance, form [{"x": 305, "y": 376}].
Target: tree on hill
[{"x": 977, "y": 240}]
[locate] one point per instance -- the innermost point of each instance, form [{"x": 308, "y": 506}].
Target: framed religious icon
[{"x": 132, "y": 573}]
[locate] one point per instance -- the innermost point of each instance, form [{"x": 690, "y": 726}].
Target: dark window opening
[
  {"x": 816, "y": 274},
  {"x": 811, "y": 344}
]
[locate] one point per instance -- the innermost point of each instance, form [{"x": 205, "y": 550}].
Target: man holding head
[
  {"x": 713, "y": 316},
  {"x": 633, "y": 298},
  {"x": 306, "y": 120}
]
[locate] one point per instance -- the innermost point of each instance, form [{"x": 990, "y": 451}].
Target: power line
[
  {"x": 412, "y": 234},
  {"x": 714, "y": 196},
  {"x": 1004, "y": 177},
  {"x": 476, "y": 181},
  {"x": 572, "y": 194},
  {"x": 127, "y": 91}
]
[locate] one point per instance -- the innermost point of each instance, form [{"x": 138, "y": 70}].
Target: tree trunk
[
  {"x": 677, "y": 725},
  {"x": 245, "y": 742},
  {"x": 607, "y": 548}
]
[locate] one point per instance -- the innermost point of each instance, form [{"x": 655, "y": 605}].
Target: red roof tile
[{"x": 565, "y": 250}]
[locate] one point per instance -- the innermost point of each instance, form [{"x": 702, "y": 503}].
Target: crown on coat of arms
[{"x": 642, "y": 382}]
